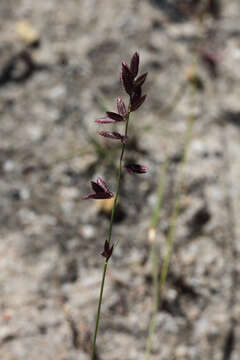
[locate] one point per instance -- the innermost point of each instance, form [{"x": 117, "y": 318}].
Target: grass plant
[{"x": 132, "y": 84}]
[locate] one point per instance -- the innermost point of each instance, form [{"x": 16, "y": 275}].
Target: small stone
[
  {"x": 87, "y": 231},
  {"x": 24, "y": 193},
  {"x": 8, "y": 166},
  {"x": 34, "y": 132},
  {"x": 181, "y": 351},
  {"x": 27, "y": 32},
  {"x": 69, "y": 193}
]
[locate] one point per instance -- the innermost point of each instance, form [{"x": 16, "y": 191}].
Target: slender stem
[
  {"x": 155, "y": 258},
  {"x": 99, "y": 311},
  {"x": 178, "y": 96},
  {"x": 157, "y": 209},
  {"x": 109, "y": 240},
  {"x": 176, "y": 207},
  {"x": 152, "y": 326}
]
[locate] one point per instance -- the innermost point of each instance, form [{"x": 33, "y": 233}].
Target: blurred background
[{"x": 59, "y": 71}]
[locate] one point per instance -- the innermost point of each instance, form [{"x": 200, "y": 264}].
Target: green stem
[
  {"x": 176, "y": 207},
  {"x": 109, "y": 240},
  {"x": 99, "y": 310},
  {"x": 178, "y": 96},
  {"x": 157, "y": 209},
  {"x": 155, "y": 259},
  {"x": 152, "y": 326}
]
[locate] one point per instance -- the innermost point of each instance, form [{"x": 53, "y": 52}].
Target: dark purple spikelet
[
  {"x": 127, "y": 71},
  {"x": 137, "y": 103},
  {"x": 136, "y": 94},
  {"x": 113, "y": 135},
  {"x": 134, "y": 64},
  {"x": 107, "y": 252},
  {"x": 127, "y": 78},
  {"x": 136, "y": 169},
  {"x": 101, "y": 191},
  {"x": 114, "y": 116},
  {"x": 97, "y": 187}
]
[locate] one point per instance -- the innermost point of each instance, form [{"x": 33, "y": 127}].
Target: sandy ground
[{"x": 50, "y": 95}]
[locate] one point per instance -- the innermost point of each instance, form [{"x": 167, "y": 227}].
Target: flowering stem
[
  {"x": 133, "y": 87},
  {"x": 109, "y": 239}
]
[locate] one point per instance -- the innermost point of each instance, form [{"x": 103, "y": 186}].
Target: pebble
[
  {"x": 9, "y": 166},
  {"x": 88, "y": 231}
]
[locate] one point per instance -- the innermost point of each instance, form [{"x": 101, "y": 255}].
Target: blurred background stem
[{"x": 158, "y": 287}]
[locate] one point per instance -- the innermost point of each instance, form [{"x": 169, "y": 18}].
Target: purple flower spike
[
  {"x": 136, "y": 169},
  {"x": 121, "y": 107},
  {"x": 134, "y": 64},
  {"x": 107, "y": 252},
  {"x": 101, "y": 191},
  {"x": 105, "y": 120},
  {"x": 137, "y": 103},
  {"x": 113, "y": 135}
]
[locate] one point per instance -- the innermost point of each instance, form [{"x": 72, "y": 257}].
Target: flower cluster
[
  {"x": 133, "y": 87},
  {"x": 132, "y": 84}
]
